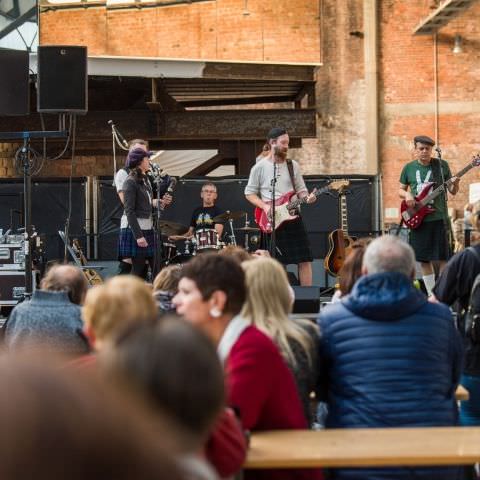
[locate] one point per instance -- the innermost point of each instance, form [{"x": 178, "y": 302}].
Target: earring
[{"x": 215, "y": 312}]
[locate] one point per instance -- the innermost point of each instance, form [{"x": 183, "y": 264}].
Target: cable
[{"x": 73, "y": 119}]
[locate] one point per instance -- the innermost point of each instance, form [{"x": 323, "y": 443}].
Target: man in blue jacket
[{"x": 389, "y": 358}]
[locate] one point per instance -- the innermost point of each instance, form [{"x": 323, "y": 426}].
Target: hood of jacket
[{"x": 384, "y": 296}]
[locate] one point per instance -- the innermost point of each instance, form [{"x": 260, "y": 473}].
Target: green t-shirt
[{"x": 416, "y": 175}]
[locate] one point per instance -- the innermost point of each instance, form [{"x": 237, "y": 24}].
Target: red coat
[{"x": 262, "y": 388}]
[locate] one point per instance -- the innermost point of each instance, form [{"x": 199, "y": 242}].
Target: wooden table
[
  {"x": 462, "y": 393},
  {"x": 364, "y": 447}
]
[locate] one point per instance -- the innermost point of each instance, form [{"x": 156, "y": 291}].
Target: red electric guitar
[
  {"x": 285, "y": 208},
  {"x": 413, "y": 216}
]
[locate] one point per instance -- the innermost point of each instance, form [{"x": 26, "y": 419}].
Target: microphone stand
[
  {"x": 446, "y": 221},
  {"x": 273, "y": 243},
  {"x": 117, "y": 139}
]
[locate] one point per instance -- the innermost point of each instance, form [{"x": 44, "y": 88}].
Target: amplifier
[
  {"x": 12, "y": 256},
  {"x": 12, "y": 286}
]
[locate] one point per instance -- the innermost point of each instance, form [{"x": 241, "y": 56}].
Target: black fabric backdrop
[
  {"x": 49, "y": 211},
  {"x": 320, "y": 218},
  {"x": 50, "y": 204}
]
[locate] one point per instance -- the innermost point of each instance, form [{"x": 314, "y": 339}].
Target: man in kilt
[{"x": 291, "y": 239}]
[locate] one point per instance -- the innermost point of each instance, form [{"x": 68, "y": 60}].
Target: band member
[
  {"x": 125, "y": 264},
  {"x": 291, "y": 239},
  {"x": 137, "y": 240},
  {"x": 202, "y": 216},
  {"x": 430, "y": 240}
]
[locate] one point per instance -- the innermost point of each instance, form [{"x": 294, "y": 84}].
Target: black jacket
[{"x": 137, "y": 194}]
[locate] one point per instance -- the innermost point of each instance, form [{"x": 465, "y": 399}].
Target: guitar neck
[
  {"x": 435, "y": 193},
  {"x": 343, "y": 214},
  {"x": 300, "y": 201}
]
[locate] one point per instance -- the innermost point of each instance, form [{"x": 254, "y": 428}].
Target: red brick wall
[
  {"x": 275, "y": 30},
  {"x": 407, "y": 93}
]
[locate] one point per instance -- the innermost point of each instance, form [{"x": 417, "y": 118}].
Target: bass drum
[{"x": 207, "y": 240}]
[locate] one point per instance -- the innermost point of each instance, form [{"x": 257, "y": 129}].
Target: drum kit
[{"x": 204, "y": 240}]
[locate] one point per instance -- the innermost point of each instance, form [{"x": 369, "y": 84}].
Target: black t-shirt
[
  {"x": 202, "y": 217},
  {"x": 453, "y": 287}
]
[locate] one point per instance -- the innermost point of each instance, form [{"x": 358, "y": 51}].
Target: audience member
[
  {"x": 176, "y": 366},
  {"x": 351, "y": 269},
  {"x": 267, "y": 307},
  {"x": 211, "y": 294},
  {"x": 237, "y": 253},
  {"x": 453, "y": 288},
  {"x": 165, "y": 286},
  {"x": 388, "y": 357},
  {"x": 56, "y": 425},
  {"x": 113, "y": 307},
  {"x": 51, "y": 320}
]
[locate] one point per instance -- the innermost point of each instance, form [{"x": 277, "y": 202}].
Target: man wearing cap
[
  {"x": 430, "y": 240},
  {"x": 125, "y": 264},
  {"x": 291, "y": 239}
]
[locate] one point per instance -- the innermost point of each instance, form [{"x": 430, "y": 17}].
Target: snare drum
[
  {"x": 206, "y": 240},
  {"x": 169, "y": 252}
]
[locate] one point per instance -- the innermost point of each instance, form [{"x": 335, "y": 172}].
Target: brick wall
[
  {"x": 407, "y": 92},
  {"x": 274, "y": 30}
]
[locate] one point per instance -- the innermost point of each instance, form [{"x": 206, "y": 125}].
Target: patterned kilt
[
  {"x": 292, "y": 242},
  {"x": 128, "y": 248}
]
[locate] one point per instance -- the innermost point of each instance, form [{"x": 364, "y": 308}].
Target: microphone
[
  {"x": 171, "y": 185},
  {"x": 439, "y": 152},
  {"x": 119, "y": 135}
]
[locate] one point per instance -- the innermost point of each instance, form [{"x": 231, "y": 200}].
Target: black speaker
[
  {"x": 62, "y": 79},
  {"x": 14, "y": 87},
  {"x": 307, "y": 299}
]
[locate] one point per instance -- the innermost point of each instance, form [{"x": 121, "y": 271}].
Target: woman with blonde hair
[
  {"x": 267, "y": 307},
  {"x": 115, "y": 306}
]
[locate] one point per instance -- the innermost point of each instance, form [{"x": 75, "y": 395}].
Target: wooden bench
[{"x": 364, "y": 447}]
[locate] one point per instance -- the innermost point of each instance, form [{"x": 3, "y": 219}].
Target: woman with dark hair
[
  {"x": 137, "y": 241},
  {"x": 211, "y": 293}
]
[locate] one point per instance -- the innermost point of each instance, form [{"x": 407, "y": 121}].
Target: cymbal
[
  {"x": 247, "y": 229},
  {"x": 171, "y": 228},
  {"x": 228, "y": 215}
]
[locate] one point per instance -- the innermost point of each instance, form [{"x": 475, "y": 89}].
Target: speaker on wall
[
  {"x": 14, "y": 85},
  {"x": 62, "y": 79}
]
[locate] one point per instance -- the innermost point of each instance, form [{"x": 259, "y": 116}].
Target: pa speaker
[
  {"x": 62, "y": 79},
  {"x": 14, "y": 87},
  {"x": 307, "y": 299}
]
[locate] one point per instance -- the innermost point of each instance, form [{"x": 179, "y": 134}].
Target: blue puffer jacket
[{"x": 389, "y": 358}]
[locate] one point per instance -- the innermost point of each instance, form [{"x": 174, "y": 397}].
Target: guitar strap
[{"x": 290, "y": 171}]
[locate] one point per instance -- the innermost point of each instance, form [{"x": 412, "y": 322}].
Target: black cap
[
  {"x": 276, "y": 132},
  {"x": 423, "y": 139}
]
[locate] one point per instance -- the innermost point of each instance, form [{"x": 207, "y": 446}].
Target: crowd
[{"x": 129, "y": 380}]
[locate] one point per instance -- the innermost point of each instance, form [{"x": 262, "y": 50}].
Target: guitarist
[
  {"x": 291, "y": 239},
  {"x": 430, "y": 239}
]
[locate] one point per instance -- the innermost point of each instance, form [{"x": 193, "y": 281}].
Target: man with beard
[
  {"x": 430, "y": 239},
  {"x": 291, "y": 239}
]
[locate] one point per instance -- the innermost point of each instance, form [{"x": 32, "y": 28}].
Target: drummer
[{"x": 202, "y": 216}]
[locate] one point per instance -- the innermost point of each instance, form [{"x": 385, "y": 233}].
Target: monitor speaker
[
  {"x": 62, "y": 79},
  {"x": 307, "y": 299},
  {"x": 14, "y": 85}
]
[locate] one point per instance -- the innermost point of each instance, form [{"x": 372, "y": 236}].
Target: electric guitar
[
  {"x": 339, "y": 241},
  {"x": 286, "y": 208},
  {"x": 413, "y": 216}
]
